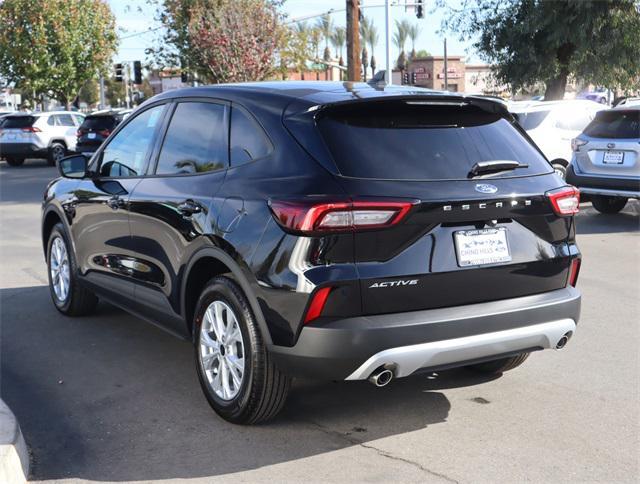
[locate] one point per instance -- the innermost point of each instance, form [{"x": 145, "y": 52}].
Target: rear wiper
[{"x": 494, "y": 166}]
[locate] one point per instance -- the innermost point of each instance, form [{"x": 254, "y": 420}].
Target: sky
[{"x": 134, "y": 17}]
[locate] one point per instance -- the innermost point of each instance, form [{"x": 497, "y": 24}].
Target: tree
[
  {"x": 55, "y": 45},
  {"x": 338, "y": 39},
  {"x": 89, "y": 92},
  {"x": 400, "y": 40},
  {"x": 365, "y": 26},
  {"x": 325, "y": 25},
  {"x": 372, "y": 40},
  {"x": 422, "y": 53},
  {"x": 413, "y": 32},
  {"x": 532, "y": 41},
  {"x": 221, "y": 40}
]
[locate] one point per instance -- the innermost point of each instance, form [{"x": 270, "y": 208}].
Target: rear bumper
[
  {"x": 432, "y": 339},
  {"x": 21, "y": 149},
  {"x": 608, "y": 186}
]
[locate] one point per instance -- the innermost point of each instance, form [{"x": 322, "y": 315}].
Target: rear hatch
[
  {"x": 17, "y": 129},
  {"x": 472, "y": 234},
  {"x": 610, "y": 144},
  {"x": 94, "y": 130}
]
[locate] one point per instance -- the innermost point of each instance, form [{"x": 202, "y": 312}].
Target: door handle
[
  {"x": 189, "y": 207},
  {"x": 116, "y": 202}
]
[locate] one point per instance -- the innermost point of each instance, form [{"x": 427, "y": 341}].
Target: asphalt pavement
[{"x": 110, "y": 397}]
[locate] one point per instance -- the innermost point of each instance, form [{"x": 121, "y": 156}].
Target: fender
[
  {"x": 58, "y": 210},
  {"x": 240, "y": 278}
]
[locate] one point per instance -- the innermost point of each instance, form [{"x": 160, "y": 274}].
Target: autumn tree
[
  {"x": 531, "y": 41},
  {"x": 55, "y": 46}
]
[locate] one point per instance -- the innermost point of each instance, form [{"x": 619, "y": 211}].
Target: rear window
[
  {"x": 405, "y": 141},
  {"x": 615, "y": 124},
  {"x": 99, "y": 122},
  {"x": 531, "y": 120},
  {"x": 18, "y": 121}
]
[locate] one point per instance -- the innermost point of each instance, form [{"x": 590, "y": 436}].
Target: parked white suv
[
  {"x": 553, "y": 124},
  {"x": 48, "y": 135}
]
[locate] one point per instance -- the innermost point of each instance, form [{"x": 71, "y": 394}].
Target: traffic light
[
  {"x": 405, "y": 78},
  {"x": 184, "y": 78},
  {"x": 414, "y": 78},
  {"x": 119, "y": 77},
  {"x": 137, "y": 72},
  {"x": 419, "y": 9}
]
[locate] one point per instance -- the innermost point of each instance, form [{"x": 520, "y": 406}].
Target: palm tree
[
  {"x": 325, "y": 25},
  {"x": 338, "y": 38},
  {"x": 372, "y": 40},
  {"x": 413, "y": 33},
  {"x": 365, "y": 26},
  {"x": 400, "y": 39}
]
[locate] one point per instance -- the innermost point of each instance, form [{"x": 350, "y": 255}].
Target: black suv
[
  {"x": 95, "y": 129},
  {"x": 324, "y": 230}
]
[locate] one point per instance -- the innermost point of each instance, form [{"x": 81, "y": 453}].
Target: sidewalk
[{"x": 14, "y": 458}]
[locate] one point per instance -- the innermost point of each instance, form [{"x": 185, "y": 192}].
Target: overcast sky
[{"x": 134, "y": 17}]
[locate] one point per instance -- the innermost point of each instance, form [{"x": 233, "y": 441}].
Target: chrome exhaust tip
[
  {"x": 381, "y": 377},
  {"x": 562, "y": 342}
]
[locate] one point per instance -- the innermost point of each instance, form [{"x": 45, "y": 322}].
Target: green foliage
[
  {"x": 89, "y": 92},
  {"x": 338, "y": 39},
  {"x": 530, "y": 41},
  {"x": 422, "y": 53},
  {"x": 55, "y": 45}
]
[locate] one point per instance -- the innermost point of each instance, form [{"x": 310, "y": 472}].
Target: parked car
[
  {"x": 601, "y": 96},
  {"x": 627, "y": 102},
  {"x": 95, "y": 129},
  {"x": 606, "y": 159},
  {"x": 49, "y": 135},
  {"x": 312, "y": 229},
  {"x": 553, "y": 124}
]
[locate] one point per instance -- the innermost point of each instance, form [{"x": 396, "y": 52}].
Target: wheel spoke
[
  {"x": 226, "y": 389},
  {"x": 207, "y": 340},
  {"x": 209, "y": 358},
  {"x": 236, "y": 363}
]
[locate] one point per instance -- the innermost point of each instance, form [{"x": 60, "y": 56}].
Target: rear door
[
  {"x": 172, "y": 207},
  {"x": 467, "y": 238},
  {"x": 613, "y": 145}
]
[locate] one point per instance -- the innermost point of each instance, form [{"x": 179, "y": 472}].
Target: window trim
[
  {"x": 153, "y": 162},
  {"x": 96, "y": 160},
  {"x": 250, "y": 115}
]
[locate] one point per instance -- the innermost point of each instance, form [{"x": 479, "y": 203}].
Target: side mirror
[{"x": 74, "y": 166}]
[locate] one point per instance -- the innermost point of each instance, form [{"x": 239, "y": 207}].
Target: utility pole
[
  {"x": 102, "y": 103},
  {"x": 354, "y": 63},
  {"x": 387, "y": 34},
  {"x": 446, "y": 67}
]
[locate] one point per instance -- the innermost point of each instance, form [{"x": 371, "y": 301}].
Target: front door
[{"x": 100, "y": 207}]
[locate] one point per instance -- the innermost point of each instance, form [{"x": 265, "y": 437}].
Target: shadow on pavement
[
  {"x": 590, "y": 221},
  {"x": 110, "y": 397},
  {"x": 25, "y": 183}
]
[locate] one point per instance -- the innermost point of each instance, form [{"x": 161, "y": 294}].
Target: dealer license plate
[{"x": 482, "y": 246}]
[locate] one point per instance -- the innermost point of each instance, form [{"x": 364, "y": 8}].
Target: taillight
[
  {"x": 316, "y": 306},
  {"x": 308, "y": 217},
  {"x": 574, "y": 270},
  {"x": 565, "y": 201},
  {"x": 104, "y": 132},
  {"x": 576, "y": 143},
  {"x": 80, "y": 132},
  {"x": 31, "y": 129}
]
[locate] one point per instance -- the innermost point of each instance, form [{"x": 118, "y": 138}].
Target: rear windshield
[
  {"x": 615, "y": 124},
  {"x": 531, "y": 120},
  {"x": 99, "y": 122},
  {"x": 18, "y": 121},
  {"x": 405, "y": 141}
]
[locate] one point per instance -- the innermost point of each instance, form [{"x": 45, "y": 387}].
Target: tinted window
[
  {"x": 79, "y": 119},
  {"x": 573, "y": 120},
  {"x": 531, "y": 120},
  {"x": 126, "y": 153},
  {"x": 248, "y": 140},
  {"x": 52, "y": 121},
  {"x": 65, "y": 120},
  {"x": 615, "y": 124},
  {"x": 418, "y": 142},
  {"x": 196, "y": 140},
  {"x": 18, "y": 121},
  {"x": 99, "y": 122}
]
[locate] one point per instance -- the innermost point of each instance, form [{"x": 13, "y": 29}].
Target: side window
[
  {"x": 79, "y": 119},
  {"x": 51, "y": 121},
  {"x": 573, "y": 120},
  {"x": 65, "y": 120},
  {"x": 248, "y": 139},
  {"x": 127, "y": 152},
  {"x": 196, "y": 140}
]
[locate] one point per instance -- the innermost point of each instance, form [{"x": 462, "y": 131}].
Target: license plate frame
[
  {"x": 91, "y": 135},
  {"x": 615, "y": 157},
  {"x": 491, "y": 246}
]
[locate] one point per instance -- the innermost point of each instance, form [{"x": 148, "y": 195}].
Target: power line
[{"x": 141, "y": 33}]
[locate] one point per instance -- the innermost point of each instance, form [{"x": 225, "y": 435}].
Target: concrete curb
[{"x": 14, "y": 457}]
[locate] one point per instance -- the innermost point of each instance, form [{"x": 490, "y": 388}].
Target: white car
[
  {"x": 553, "y": 124},
  {"x": 49, "y": 135}
]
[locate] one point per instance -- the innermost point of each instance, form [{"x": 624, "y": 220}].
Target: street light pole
[{"x": 387, "y": 32}]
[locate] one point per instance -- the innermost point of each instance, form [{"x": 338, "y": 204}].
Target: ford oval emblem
[{"x": 486, "y": 188}]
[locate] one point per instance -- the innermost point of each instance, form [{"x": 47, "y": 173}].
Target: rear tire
[
  {"x": 560, "y": 169},
  {"x": 15, "y": 161},
  {"x": 70, "y": 298},
  {"x": 234, "y": 368},
  {"x": 56, "y": 152},
  {"x": 608, "y": 205},
  {"x": 495, "y": 367}
]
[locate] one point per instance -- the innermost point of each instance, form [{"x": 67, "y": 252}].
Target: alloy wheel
[
  {"x": 59, "y": 269},
  {"x": 221, "y": 350}
]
